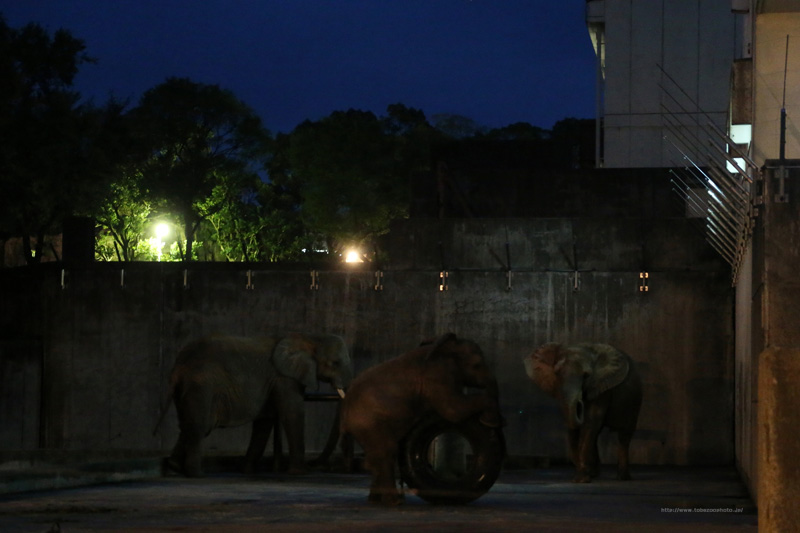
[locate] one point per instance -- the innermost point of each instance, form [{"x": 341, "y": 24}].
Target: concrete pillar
[{"x": 779, "y": 445}]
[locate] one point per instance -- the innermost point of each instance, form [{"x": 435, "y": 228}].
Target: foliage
[
  {"x": 519, "y": 131},
  {"x": 255, "y": 225},
  {"x": 55, "y": 154},
  {"x": 200, "y": 135},
  {"x": 456, "y": 126},
  {"x": 351, "y": 170},
  {"x": 197, "y": 157},
  {"x": 122, "y": 218}
]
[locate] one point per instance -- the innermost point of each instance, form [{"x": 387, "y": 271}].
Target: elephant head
[
  {"x": 573, "y": 374},
  {"x": 469, "y": 365},
  {"x": 312, "y": 358}
]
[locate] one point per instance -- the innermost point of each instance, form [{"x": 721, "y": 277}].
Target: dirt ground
[{"x": 659, "y": 499}]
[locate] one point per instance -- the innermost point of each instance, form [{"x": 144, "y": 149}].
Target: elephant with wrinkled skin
[
  {"x": 223, "y": 381},
  {"x": 596, "y": 386},
  {"x": 385, "y": 402}
]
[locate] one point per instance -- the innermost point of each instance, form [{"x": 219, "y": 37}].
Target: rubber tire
[{"x": 489, "y": 450}]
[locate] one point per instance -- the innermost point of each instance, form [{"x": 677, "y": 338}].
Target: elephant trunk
[
  {"x": 576, "y": 413},
  {"x": 572, "y": 398},
  {"x": 342, "y": 381}
]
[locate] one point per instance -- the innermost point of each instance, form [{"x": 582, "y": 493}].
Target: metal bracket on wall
[
  {"x": 186, "y": 278},
  {"x": 378, "y": 281},
  {"x": 122, "y": 278},
  {"x": 314, "y": 280},
  {"x": 443, "y": 275},
  {"x": 644, "y": 278},
  {"x": 63, "y": 279},
  {"x": 249, "y": 285},
  {"x": 509, "y": 275},
  {"x": 576, "y": 280}
]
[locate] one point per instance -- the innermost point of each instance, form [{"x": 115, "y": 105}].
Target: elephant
[
  {"x": 223, "y": 381},
  {"x": 385, "y": 402},
  {"x": 596, "y": 386}
]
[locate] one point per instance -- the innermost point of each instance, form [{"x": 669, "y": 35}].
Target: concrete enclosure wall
[{"x": 85, "y": 367}]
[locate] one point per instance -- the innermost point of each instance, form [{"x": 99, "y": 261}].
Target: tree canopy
[
  {"x": 54, "y": 153},
  {"x": 351, "y": 170},
  {"x": 200, "y": 137},
  {"x": 196, "y": 156}
]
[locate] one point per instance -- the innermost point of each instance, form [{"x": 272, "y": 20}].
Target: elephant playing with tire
[
  {"x": 596, "y": 386},
  {"x": 386, "y": 401},
  {"x": 223, "y": 381}
]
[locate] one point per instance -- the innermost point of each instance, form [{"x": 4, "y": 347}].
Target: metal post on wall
[
  {"x": 508, "y": 264},
  {"x": 443, "y": 273},
  {"x": 314, "y": 280},
  {"x": 378, "y": 280},
  {"x": 644, "y": 280}
]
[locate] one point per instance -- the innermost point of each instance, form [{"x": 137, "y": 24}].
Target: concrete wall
[
  {"x": 92, "y": 358},
  {"x": 769, "y": 61}
]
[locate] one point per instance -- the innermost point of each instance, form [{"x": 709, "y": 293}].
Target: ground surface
[{"x": 659, "y": 499}]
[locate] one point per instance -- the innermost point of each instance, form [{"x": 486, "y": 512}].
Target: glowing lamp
[
  {"x": 162, "y": 230},
  {"x": 353, "y": 256}
]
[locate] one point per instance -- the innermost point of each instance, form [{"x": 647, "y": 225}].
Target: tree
[
  {"x": 518, "y": 131},
  {"x": 55, "y": 154},
  {"x": 349, "y": 173},
  {"x": 199, "y": 135},
  {"x": 255, "y": 224},
  {"x": 457, "y": 126},
  {"x": 122, "y": 217}
]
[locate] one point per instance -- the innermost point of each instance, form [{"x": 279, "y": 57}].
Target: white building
[{"x": 663, "y": 71}]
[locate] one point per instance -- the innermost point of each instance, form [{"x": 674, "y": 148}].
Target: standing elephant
[
  {"x": 222, "y": 381},
  {"x": 386, "y": 401},
  {"x": 596, "y": 386}
]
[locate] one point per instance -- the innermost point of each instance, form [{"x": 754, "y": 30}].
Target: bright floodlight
[
  {"x": 162, "y": 230},
  {"x": 353, "y": 257}
]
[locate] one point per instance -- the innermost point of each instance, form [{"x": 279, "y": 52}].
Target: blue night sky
[{"x": 495, "y": 61}]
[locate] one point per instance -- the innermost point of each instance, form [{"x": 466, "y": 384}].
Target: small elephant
[
  {"x": 222, "y": 381},
  {"x": 596, "y": 386},
  {"x": 384, "y": 402}
]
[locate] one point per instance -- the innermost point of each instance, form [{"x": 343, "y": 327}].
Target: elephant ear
[
  {"x": 610, "y": 368},
  {"x": 542, "y": 367},
  {"x": 293, "y": 357}
]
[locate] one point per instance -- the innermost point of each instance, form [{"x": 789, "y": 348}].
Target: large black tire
[{"x": 482, "y": 464}]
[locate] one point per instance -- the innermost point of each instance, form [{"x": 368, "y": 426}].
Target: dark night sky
[{"x": 495, "y": 61}]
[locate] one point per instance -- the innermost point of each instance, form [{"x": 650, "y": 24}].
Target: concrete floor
[{"x": 659, "y": 499}]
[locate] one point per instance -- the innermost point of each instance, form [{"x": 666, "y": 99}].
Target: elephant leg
[
  {"x": 262, "y": 428},
  {"x": 176, "y": 459},
  {"x": 586, "y": 452},
  {"x": 381, "y": 464},
  {"x": 574, "y": 439},
  {"x": 193, "y": 461},
  {"x": 194, "y": 408},
  {"x": 623, "y": 466},
  {"x": 333, "y": 439},
  {"x": 594, "y": 465},
  {"x": 289, "y": 399}
]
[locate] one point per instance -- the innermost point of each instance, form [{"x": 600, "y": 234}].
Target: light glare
[{"x": 353, "y": 257}]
